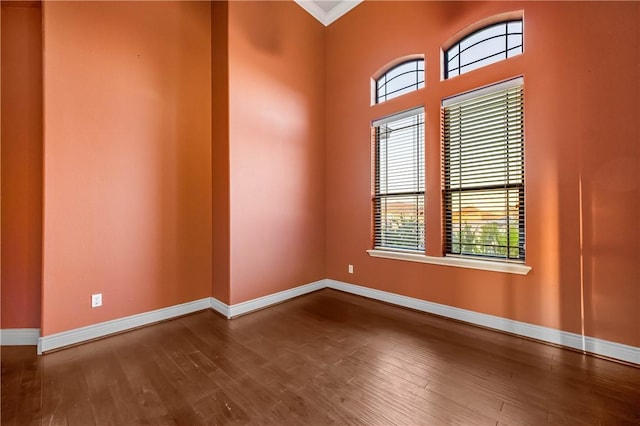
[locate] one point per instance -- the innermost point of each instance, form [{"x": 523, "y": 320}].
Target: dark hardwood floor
[{"x": 324, "y": 358}]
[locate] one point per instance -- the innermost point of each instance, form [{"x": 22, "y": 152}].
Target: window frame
[
  {"x": 447, "y": 192},
  {"x": 420, "y": 80},
  {"x": 494, "y": 265},
  {"x": 418, "y": 161},
  {"x": 446, "y": 53}
]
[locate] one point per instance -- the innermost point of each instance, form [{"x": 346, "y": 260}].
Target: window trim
[
  {"x": 504, "y": 266},
  {"x": 397, "y": 116},
  {"x": 483, "y": 90}
]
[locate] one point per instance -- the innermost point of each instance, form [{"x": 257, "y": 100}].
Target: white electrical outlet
[
  {"x": 351, "y": 269},
  {"x": 96, "y": 300}
]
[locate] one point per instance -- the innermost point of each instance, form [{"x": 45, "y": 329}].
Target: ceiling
[{"x": 327, "y": 11}]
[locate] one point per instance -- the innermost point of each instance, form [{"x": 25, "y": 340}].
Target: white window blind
[
  {"x": 484, "y": 199},
  {"x": 398, "y": 201}
]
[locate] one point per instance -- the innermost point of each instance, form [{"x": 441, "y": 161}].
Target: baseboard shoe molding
[
  {"x": 90, "y": 332},
  {"x": 19, "y": 336},
  {"x": 231, "y": 311},
  {"x": 592, "y": 345}
]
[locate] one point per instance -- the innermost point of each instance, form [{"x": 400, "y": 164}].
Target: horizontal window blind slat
[
  {"x": 483, "y": 168},
  {"x": 398, "y": 202}
]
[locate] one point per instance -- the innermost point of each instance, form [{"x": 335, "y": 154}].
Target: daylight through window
[
  {"x": 404, "y": 78},
  {"x": 483, "y": 47},
  {"x": 484, "y": 200},
  {"x": 399, "y": 181}
]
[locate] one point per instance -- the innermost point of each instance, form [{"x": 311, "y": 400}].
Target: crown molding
[{"x": 326, "y": 18}]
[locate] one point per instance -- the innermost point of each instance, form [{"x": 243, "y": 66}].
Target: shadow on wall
[
  {"x": 21, "y": 164},
  {"x": 263, "y": 28},
  {"x": 276, "y": 107}
]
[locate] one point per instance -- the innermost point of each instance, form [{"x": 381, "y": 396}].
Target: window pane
[
  {"x": 484, "y": 174},
  {"x": 515, "y": 44},
  {"x": 515, "y": 27},
  {"x": 404, "y": 78},
  {"x": 482, "y": 35},
  {"x": 485, "y": 222},
  {"x": 399, "y": 184},
  {"x": 454, "y": 60},
  {"x": 401, "y": 155},
  {"x": 399, "y": 222},
  {"x": 483, "y": 47},
  {"x": 404, "y": 68}
]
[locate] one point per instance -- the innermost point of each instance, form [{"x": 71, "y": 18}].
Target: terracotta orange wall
[
  {"x": 220, "y": 149},
  {"x": 276, "y": 112},
  {"x": 127, "y": 158},
  {"x": 581, "y": 115},
  {"x": 609, "y": 110},
  {"x": 21, "y": 164}
]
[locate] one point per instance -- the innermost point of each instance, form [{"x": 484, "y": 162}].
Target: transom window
[
  {"x": 484, "y": 200},
  {"x": 482, "y": 142},
  {"x": 399, "y": 80},
  {"x": 490, "y": 44},
  {"x": 398, "y": 201}
]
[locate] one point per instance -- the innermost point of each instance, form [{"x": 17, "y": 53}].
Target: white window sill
[{"x": 460, "y": 262}]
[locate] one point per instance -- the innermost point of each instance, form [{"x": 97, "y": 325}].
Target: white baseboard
[
  {"x": 78, "y": 335},
  {"x": 220, "y": 307},
  {"x": 572, "y": 340},
  {"x": 588, "y": 344},
  {"x": 230, "y": 311},
  {"x": 19, "y": 336},
  {"x": 612, "y": 349},
  {"x": 94, "y": 331}
]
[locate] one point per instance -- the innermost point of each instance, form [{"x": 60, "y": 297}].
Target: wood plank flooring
[{"x": 324, "y": 358}]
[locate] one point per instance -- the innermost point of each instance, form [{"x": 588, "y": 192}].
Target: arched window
[
  {"x": 398, "y": 141},
  {"x": 403, "y": 78},
  {"x": 490, "y": 44}
]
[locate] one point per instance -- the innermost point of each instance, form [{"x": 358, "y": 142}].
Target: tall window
[
  {"x": 484, "y": 200},
  {"x": 483, "y": 47},
  {"x": 403, "y": 78},
  {"x": 399, "y": 181}
]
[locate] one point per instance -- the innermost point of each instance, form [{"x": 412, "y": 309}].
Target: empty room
[{"x": 320, "y": 212}]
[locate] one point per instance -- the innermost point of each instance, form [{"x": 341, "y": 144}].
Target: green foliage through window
[{"x": 483, "y": 153}]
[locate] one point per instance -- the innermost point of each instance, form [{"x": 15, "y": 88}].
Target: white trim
[
  {"x": 326, "y": 18},
  {"x": 612, "y": 349},
  {"x": 220, "y": 307},
  {"x": 460, "y": 262},
  {"x": 272, "y": 299},
  {"x": 596, "y": 346},
  {"x": 398, "y": 116},
  {"x": 19, "y": 336},
  {"x": 82, "y": 334},
  {"x": 588, "y": 344},
  {"x": 341, "y": 9},
  {"x": 475, "y": 93}
]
